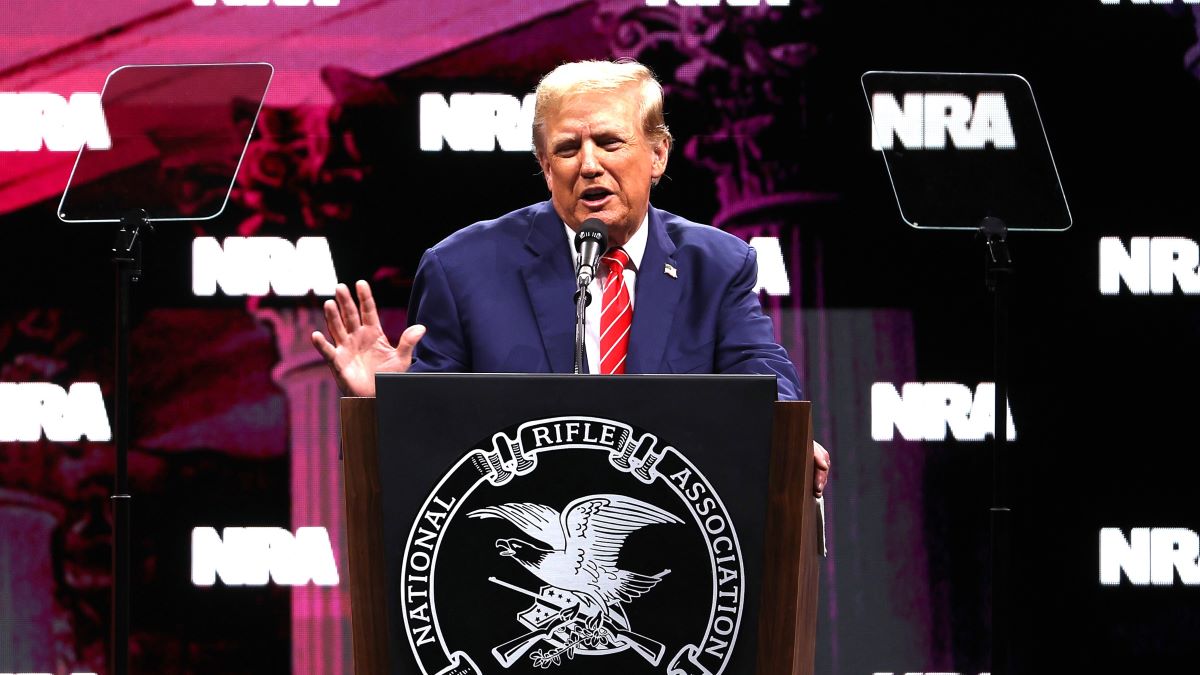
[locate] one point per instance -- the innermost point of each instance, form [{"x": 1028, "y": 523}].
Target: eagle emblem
[{"x": 580, "y": 606}]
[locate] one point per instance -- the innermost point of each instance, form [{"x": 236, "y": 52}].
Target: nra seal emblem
[{"x": 572, "y": 544}]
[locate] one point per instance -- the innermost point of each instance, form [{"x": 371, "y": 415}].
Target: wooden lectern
[{"x": 792, "y": 555}]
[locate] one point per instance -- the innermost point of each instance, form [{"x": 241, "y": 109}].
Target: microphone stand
[{"x": 583, "y": 298}]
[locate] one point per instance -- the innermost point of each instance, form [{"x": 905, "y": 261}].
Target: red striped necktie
[{"x": 616, "y": 314}]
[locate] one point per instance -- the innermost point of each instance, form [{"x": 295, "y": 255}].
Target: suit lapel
[
  {"x": 655, "y": 301},
  {"x": 550, "y": 283}
]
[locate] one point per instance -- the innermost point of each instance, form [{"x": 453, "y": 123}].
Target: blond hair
[{"x": 589, "y": 76}]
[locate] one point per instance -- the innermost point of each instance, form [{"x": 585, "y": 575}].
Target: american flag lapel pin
[{"x": 669, "y": 270}]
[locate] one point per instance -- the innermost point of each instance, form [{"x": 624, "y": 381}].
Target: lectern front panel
[{"x": 582, "y": 524}]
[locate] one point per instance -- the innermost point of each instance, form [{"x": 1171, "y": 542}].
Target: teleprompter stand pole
[
  {"x": 127, "y": 259},
  {"x": 999, "y": 270}
]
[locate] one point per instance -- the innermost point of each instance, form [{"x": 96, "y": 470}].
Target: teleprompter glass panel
[
  {"x": 178, "y": 133},
  {"x": 960, "y": 147}
]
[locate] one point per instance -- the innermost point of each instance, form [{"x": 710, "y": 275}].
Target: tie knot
[{"x": 616, "y": 258}]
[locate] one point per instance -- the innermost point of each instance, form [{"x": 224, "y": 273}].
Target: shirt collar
[{"x": 635, "y": 248}]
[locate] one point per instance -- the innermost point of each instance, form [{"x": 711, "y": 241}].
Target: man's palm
[{"x": 357, "y": 347}]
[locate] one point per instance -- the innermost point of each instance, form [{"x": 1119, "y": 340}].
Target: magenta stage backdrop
[{"x": 390, "y": 124}]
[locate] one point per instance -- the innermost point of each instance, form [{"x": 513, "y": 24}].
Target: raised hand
[{"x": 357, "y": 347}]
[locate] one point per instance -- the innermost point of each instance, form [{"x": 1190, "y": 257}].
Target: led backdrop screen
[{"x": 389, "y": 124}]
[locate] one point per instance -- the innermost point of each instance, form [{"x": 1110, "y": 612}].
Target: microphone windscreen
[{"x": 592, "y": 229}]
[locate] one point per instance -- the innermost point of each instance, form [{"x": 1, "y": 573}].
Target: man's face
[{"x": 598, "y": 162}]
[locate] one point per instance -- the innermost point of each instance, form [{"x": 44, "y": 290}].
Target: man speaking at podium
[{"x": 676, "y": 296}]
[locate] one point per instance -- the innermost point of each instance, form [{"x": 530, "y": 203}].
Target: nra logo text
[
  {"x": 925, "y": 673},
  {"x": 31, "y": 120},
  {"x": 477, "y": 122},
  {"x": 717, "y": 3},
  {"x": 255, "y": 556},
  {"x": 264, "y": 3},
  {"x": 258, "y": 265},
  {"x": 1150, "y": 266},
  {"x": 926, "y": 411},
  {"x": 925, "y": 120},
  {"x": 1151, "y": 2},
  {"x": 29, "y": 409},
  {"x": 1151, "y": 556},
  {"x": 772, "y": 275}
]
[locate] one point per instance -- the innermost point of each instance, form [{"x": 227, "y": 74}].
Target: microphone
[{"x": 591, "y": 241}]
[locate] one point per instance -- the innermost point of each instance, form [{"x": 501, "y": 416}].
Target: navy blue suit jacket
[{"x": 495, "y": 297}]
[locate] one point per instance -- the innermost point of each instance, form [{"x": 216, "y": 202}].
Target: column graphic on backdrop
[
  {"x": 320, "y": 614},
  {"x": 54, "y": 529},
  {"x": 27, "y": 524}
]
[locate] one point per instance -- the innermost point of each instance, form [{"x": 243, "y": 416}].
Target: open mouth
[{"x": 595, "y": 196}]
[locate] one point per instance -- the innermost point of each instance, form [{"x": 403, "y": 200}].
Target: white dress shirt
[{"x": 635, "y": 248}]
